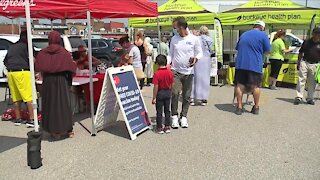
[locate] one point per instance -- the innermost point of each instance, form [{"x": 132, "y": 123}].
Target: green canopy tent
[
  {"x": 194, "y": 13},
  {"x": 275, "y": 13}
]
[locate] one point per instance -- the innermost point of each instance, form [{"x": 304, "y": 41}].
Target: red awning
[{"x": 77, "y": 9}]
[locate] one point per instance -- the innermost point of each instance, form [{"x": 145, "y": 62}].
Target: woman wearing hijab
[
  {"x": 149, "y": 60},
  {"x": 57, "y": 67},
  {"x": 201, "y": 82}
]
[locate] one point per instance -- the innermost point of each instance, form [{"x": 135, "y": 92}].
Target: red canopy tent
[
  {"x": 77, "y": 9},
  {"x": 74, "y": 9}
]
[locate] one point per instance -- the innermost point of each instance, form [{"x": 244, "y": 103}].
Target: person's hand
[
  {"x": 193, "y": 61},
  {"x": 298, "y": 65},
  {"x": 154, "y": 100}
]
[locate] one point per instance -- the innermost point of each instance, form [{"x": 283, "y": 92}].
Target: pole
[
  {"x": 19, "y": 25},
  {"x": 159, "y": 34},
  {"x": 12, "y": 30},
  {"x": 31, "y": 64},
  {"x": 93, "y": 132},
  {"x": 51, "y": 25}
]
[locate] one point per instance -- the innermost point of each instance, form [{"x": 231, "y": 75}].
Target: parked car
[
  {"x": 5, "y": 42},
  {"x": 107, "y": 50}
]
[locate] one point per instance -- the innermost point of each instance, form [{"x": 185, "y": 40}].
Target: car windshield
[
  {"x": 115, "y": 43},
  {"x": 76, "y": 42}
]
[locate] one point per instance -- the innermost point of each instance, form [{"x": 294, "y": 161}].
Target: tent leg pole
[
  {"x": 159, "y": 35},
  {"x": 93, "y": 131},
  {"x": 31, "y": 64}
]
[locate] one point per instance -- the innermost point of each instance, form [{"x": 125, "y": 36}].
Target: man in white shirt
[{"x": 185, "y": 51}]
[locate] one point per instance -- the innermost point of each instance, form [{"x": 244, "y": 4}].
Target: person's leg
[
  {"x": 186, "y": 93},
  {"x": 175, "y": 94},
  {"x": 167, "y": 111},
  {"x": 142, "y": 80},
  {"x": 159, "y": 108},
  {"x": 30, "y": 110},
  {"x": 239, "y": 89},
  {"x": 256, "y": 96},
  {"x": 17, "y": 109},
  {"x": 311, "y": 82},
  {"x": 302, "y": 79}
]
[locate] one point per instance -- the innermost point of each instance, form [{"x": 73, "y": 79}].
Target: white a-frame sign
[{"x": 120, "y": 91}]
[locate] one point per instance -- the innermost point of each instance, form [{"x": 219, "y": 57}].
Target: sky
[{"x": 210, "y": 5}]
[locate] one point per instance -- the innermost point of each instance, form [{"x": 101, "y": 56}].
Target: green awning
[
  {"x": 194, "y": 13},
  {"x": 271, "y": 12}
]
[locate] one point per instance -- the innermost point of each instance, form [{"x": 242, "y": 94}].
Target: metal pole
[
  {"x": 159, "y": 34},
  {"x": 31, "y": 64},
  {"x": 93, "y": 132},
  {"x": 51, "y": 25},
  {"x": 19, "y": 25},
  {"x": 12, "y": 30}
]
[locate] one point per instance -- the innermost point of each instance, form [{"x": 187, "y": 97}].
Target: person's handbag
[
  {"x": 139, "y": 73},
  {"x": 317, "y": 75}
]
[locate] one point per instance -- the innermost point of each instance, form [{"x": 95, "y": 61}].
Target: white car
[{"x": 5, "y": 42}]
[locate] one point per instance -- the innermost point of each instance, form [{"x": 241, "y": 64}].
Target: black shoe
[
  {"x": 30, "y": 123},
  {"x": 239, "y": 111},
  {"x": 311, "y": 102},
  {"x": 18, "y": 122},
  {"x": 255, "y": 110},
  {"x": 297, "y": 101}
]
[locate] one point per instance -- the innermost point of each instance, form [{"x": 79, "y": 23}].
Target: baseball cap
[{"x": 261, "y": 23}]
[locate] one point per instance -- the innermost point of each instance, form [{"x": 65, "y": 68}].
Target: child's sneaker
[
  {"x": 160, "y": 130},
  {"x": 167, "y": 129}
]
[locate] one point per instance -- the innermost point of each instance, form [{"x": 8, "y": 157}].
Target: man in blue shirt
[{"x": 251, "y": 48}]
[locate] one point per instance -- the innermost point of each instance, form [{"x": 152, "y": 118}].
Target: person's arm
[
  {"x": 95, "y": 61},
  {"x": 301, "y": 54},
  {"x": 171, "y": 51},
  {"x": 284, "y": 49},
  {"x": 266, "y": 45},
  {"x": 155, "y": 92},
  {"x": 130, "y": 57},
  {"x": 197, "y": 51}
]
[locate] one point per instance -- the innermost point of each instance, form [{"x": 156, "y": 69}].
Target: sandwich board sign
[{"x": 121, "y": 92}]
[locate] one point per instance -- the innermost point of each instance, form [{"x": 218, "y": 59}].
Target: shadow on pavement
[
  {"x": 286, "y": 100},
  {"x": 119, "y": 128},
  {"x": 7, "y": 143},
  {"x": 225, "y": 107}
]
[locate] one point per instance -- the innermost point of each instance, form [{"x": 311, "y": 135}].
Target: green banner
[{"x": 201, "y": 19}]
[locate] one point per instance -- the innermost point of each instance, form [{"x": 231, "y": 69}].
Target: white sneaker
[
  {"x": 175, "y": 122},
  {"x": 184, "y": 122}
]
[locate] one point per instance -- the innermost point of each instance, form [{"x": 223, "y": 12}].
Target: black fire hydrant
[{"x": 34, "y": 149}]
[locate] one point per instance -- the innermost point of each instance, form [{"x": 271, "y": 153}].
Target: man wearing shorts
[
  {"x": 19, "y": 78},
  {"x": 251, "y": 47}
]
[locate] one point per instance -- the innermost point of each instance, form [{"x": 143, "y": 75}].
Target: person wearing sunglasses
[{"x": 83, "y": 60}]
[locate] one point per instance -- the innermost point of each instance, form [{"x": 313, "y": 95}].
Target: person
[
  {"x": 149, "y": 60},
  {"x": 163, "y": 81},
  {"x": 124, "y": 61},
  {"x": 163, "y": 46},
  {"x": 309, "y": 58},
  {"x": 57, "y": 67},
  {"x": 83, "y": 61},
  {"x": 19, "y": 78},
  {"x": 185, "y": 51},
  {"x": 139, "y": 42},
  {"x": 278, "y": 50},
  {"x": 135, "y": 56},
  {"x": 201, "y": 82},
  {"x": 251, "y": 47}
]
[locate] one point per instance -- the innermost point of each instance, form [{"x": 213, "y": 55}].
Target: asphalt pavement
[{"x": 282, "y": 142}]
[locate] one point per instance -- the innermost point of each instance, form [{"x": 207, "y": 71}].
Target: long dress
[
  {"x": 56, "y": 106},
  {"x": 149, "y": 61},
  {"x": 201, "y": 82}
]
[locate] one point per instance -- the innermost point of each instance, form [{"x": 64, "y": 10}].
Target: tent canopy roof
[
  {"x": 190, "y": 9},
  {"x": 77, "y": 9},
  {"x": 270, "y": 11}
]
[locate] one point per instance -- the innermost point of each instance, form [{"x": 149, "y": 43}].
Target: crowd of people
[{"x": 183, "y": 70}]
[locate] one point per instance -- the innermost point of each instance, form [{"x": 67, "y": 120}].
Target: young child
[{"x": 163, "y": 82}]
